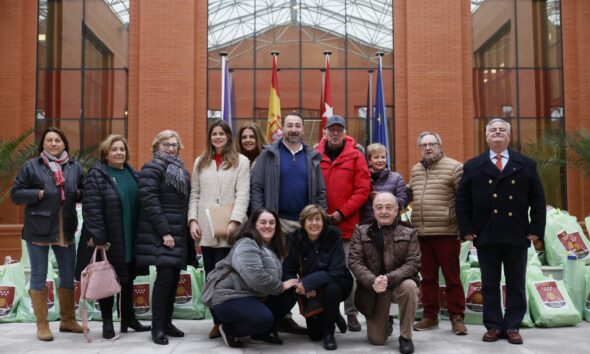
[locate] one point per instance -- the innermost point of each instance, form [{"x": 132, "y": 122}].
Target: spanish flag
[{"x": 273, "y": 127}]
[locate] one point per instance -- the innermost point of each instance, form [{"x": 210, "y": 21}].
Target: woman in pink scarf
[{"x": 49, "y": 186}]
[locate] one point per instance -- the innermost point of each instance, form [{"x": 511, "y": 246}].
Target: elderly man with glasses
[{"x": 433, "y": 185}]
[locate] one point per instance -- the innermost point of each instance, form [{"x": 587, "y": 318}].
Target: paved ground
[{"x": 20, "y": 338}]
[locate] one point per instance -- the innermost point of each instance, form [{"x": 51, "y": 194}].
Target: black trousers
[
  {"x": 514, "y": 258},
  {"x": 324, "y": 323},
  {"x": 163, "y": 296},
  {"x": 212, "y": 255},
  {"x": 126, "y": 299}
]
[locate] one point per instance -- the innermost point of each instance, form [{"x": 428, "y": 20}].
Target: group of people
[{"x": 304, "y": 224}]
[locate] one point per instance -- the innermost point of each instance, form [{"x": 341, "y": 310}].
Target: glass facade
[
  {"x": 518, "y": 76},
  {"x": 82, "y": 76},
  {"x": 300, "y": 30}
]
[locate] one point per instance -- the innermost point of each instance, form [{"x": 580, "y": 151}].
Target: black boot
[
  {"x": 106, "y": 311},
  {"x": 128, "y": 319},
  {"x": 330, "y": 342}
]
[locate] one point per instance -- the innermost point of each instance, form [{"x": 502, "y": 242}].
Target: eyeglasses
[
  {"x": 428, "y": 145},
  {"x": 170, "y": 145}
]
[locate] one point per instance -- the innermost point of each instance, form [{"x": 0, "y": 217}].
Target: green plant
[{"x": 13, "y": 153}]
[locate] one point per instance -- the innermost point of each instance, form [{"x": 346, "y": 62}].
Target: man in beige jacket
[{"x": 433, "y": 186}]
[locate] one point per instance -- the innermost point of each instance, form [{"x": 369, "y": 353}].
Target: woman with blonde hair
[
  {"x": 162, "y": 236},
  {"x": 382, "y": 180},
  {"x": 250, "y": 141},
  {"x": 221, "y": 178},
  {"x": 110, "y": 207}
]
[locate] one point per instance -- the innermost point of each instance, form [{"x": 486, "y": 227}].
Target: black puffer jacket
[
  {"x": 323, "y": 260},
  {"x": 103, "y": 220},
  {"x": 163, "y": 211},
  {"x": 41, "y": 216}
]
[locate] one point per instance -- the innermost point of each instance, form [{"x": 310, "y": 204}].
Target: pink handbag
[{"x": 97, "y": 281}]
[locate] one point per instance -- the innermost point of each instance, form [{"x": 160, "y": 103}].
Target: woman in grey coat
[{"x": 251, "y": 296}]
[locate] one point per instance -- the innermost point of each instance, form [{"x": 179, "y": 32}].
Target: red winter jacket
[{"x": 348, "y": 182}]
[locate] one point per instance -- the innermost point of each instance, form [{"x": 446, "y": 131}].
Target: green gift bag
[
  {"x": 12, "y": 288},
  {"x": 563, "y": 235},
  {"x": 550, "y": 303},
  {"x": 471, "y": 279},
  {"x": 142, "y": 294},
  {"x": 24, "y": 311},
  {"x": 587, "y": 292},
  {"x": 187, "y": 304}
]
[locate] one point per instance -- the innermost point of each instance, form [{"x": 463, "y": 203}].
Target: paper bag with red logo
[
  {"x": 550, "y": 303},
  {"x": 187, "y": 304},
  {"x": 471, "y": 279},
  {"x": 564, "y": 235},
  {"x": 142, "y": 294},
  {"x": 12, "y": 287},
  {"x": 24, "y": 311}
]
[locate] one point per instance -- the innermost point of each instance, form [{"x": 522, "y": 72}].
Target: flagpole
[
  {"x": 322, "y": 107},
  {"x": 382, "y": 107},
  {"x": 369, "y": 115},
  {"x": 225, "y": 110},
  {"x": 273, "y": 125},
  {"x": 326, "y": 108}
]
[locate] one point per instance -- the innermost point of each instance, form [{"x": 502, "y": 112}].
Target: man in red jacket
[{"x": 348, "y": 182}]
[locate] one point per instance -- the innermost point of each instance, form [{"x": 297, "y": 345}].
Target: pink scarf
[{"x": 54, "y": 165}]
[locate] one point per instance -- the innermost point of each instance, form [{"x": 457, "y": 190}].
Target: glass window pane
[
  {"x": 540, "y": 92},
  {"x": 539, "y": 33},
  {"x": 95, "y": 130},
  {"x": 58, "y": 94},
  {"x": 494, "y": 92},
  {"x": 493, "y": 34}
]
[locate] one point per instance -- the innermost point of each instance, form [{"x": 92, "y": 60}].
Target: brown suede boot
[
  {"x": 66, "y": 311},
  {"x": 39, "y": 301}
]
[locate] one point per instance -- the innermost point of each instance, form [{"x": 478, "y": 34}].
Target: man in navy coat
[{"x": 497, "y": 189}]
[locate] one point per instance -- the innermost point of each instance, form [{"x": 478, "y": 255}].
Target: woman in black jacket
[
  {"x": 163, "y": 236},
  {"x": 111, "y": 209},
  {"x": 50, "y": 185},
  {"x": 316, "y": 257}
]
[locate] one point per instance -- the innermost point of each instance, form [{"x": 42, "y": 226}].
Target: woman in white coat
[{"x": 221, "y": 177}]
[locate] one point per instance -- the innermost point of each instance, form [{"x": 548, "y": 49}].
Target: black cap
[{"x": 336, "y": 120}]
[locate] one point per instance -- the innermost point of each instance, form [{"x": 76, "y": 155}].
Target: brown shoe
[
  {"x": 426, "y": 324},
  {"x": 66, "y": 311},
  {"x": 39, "y": 302},
  {"x": 353, "y": 323},
  {"x": 513, "y": 336},
  {"x": 492, "y": 335},
  {"x": 214, "y": 332},
  {"x": 458, "y": 325}
]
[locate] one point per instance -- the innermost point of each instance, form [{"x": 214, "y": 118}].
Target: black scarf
[{"x": 174, "y": 171}]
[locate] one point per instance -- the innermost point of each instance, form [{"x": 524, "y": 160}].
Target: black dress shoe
[
  {"x": 134, "y": 324},
  {"x": 330, "y": 342},
  {"x": 159, "y": 337},
  {"x": 406, "y": 346},
  {"x": 341, "y": 323},
  {"x": 172, "y": 331},
  {"x": 108, "y": 331},
  {"x": 288, "y": 325}
]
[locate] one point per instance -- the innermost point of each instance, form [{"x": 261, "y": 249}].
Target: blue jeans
[{"x": 66, "y": 262}]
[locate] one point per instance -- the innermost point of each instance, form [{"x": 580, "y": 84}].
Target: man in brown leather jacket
[{"x": 385, "y": 259}]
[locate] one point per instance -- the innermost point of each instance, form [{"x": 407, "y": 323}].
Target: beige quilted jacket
[{"x": 433, "y": 193}]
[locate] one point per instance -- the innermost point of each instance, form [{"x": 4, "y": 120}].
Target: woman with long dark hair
[
  {"x": 252, "y": 297},
  {"x": 250, "y": 141},
  {"x": 221, "y": 178}
]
